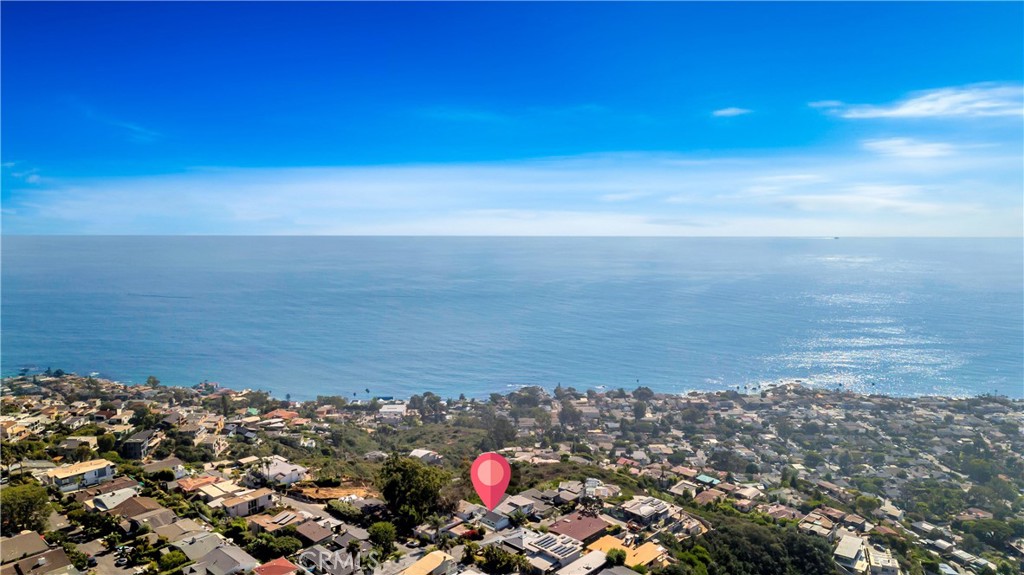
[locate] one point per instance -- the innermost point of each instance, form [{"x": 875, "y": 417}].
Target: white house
[
  {"x": 277, "y": 469},
  {"x": 249, "y": 503},
  {"x": 392, "y": 412},
  {"x": 850, "y": 554},
  {"x": 426, "y": 456},
  {"x": 81, "y": 475}
]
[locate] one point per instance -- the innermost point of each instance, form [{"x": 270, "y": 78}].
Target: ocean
[{"x": 308, "y": 316}]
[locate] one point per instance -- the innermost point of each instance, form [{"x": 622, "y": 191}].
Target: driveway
[
  {"x": 104, "y": 559},
  {"x": 314, "y": 509}
]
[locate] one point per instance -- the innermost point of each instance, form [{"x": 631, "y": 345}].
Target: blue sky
[{"x": 513, "y": 119}]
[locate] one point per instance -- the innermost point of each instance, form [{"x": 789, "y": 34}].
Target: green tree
[
  {"x": 78, "y": 559},
  {"x": 106, "y": 442},
  {"x": 615, "y": 557},
  {"x": 497, "y": 561},
  {"x": 469, "y": 553},
  {"x": 639, "y": 410},
  {"x": 517, "y": 518},
  {"x": 172, "y": 560},
  {"x": 24, "y": 507},
  {"x": 345, "y": 511},
  {"x": 569, "y": 415},
  {"x": 411, "y": 490},
  {"x": 643, "y": 393},
  {"x": 383, "y": 535},
  {"x": 152, "y": 381},
  {"x": 813, "y": 459}
]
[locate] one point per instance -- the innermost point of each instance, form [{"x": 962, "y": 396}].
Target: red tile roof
[{"x": 279, "y": 566}]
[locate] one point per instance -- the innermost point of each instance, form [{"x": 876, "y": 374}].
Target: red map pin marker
[{"x": 491, "y": 474}]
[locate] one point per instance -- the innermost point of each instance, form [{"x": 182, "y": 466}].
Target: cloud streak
[
  {"x": 986, "y": 100},
  {"x": 873, "y": 190},
  {"x": 909, "y": 148},
  {"x": 731, "y": 112}
]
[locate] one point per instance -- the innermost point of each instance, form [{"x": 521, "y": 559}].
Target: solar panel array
[{"x": 551, "y": 544}]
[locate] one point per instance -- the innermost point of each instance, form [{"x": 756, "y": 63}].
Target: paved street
[{"x": 315, "y": 509}]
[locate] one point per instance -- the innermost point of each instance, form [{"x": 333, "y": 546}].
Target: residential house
[
  {"x": 140, "y": 445},
  {"x": 180, "y": 529},
  {"x": 426, "y": 456},
  {"x": 319, "y": 560},
  {"x": 585, "y": 528},
  {"x": 433, "y": 563},
  {"x": 646, "y": 510},
  {"x": 13, "y": 431},
  {"x": 514, "y": 503},
  {"x": 494, "y": 521},
  {"x": 110, "y": 500},
  {"x": 194, "y": 432},
  {"x": 708, "y": 496},
  {"x": 645, "y": 555},
  {"x": 195, "y": 546},
  {"x": 279, "y": 566},
  {"x": 549, "y": 551},
  {"x": 587, "y": 565},
  {"x": 217, "y": 444},
  {"x": 22, "y": 545},
  {"x": 52, "y": 562},
  {"x": 851, "y": 555},
  {"x": 80, "y": 475},
  {"x": 224, "y": 560},
  {"x": 106, "y": 487},
  {"x": 71, "y": 444},
  {"x": 249, "y": 503},
  {"x": 881, "y": 561},
  {"x": 392, "y": 413},
  {"x": 278, "y": 470},
  {"x": 311, "y": 533},
  {"x": 172, "y": 464},
  {"x": 265, "y": 523}
]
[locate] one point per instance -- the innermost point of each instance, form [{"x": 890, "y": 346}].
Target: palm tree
[
  {"x": 469, "y": 553},
  {"x": 520, "y": 563},
  {"x": 369, "y": 561},
  {"x": 436, "y": 522},
  {"x": 353, "y": 547},
  {"x": 445, "y": 542}
]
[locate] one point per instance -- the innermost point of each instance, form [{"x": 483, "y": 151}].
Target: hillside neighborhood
[{"x": 129, "y": 479}]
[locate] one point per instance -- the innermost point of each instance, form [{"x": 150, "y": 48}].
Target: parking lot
[{"x": 104, "y": 559}]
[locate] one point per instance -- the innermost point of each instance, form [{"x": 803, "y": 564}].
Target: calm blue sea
[{"x": 337, "y": 315}]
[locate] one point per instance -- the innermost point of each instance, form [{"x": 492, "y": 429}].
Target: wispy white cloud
[
  {"x": 133, "y": 131},
  {"x": 136, "y": 133},
  {"x": 624, "y": 196},
  {"x": 470, "y": 114},
  {"x": 909, "y": 148},
  {"x": 825, "y": 104},
  {"x": 730, "y": 112},
  {"x": 970, "y": 101},
  {"x": 28, "y": 175},
  {"x": 871, "y": 199},
  {"x": 974, "y": 191}
]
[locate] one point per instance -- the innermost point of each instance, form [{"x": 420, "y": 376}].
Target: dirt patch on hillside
[{"x": 328, "y": 493}]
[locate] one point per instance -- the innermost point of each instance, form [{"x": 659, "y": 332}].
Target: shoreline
[{"x": 362, "y": 397}]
